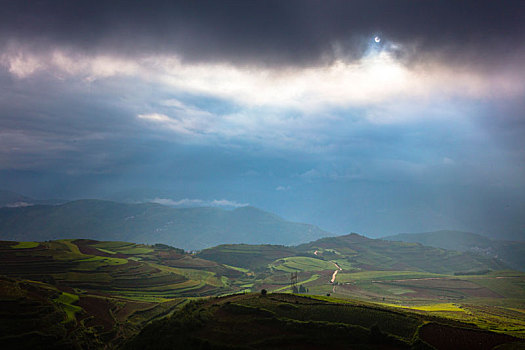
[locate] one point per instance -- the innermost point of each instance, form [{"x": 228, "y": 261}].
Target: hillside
[
  {"x": 357, "y": 267},
  {"x": 188, "y": 228},
  {"x": 376, "y": 254},
  {"x": 358, "y": 253},
  {"x": 79, "y": 293},
  {"x": 256, "y": 257},
  {"x": 512, "y": 253},
  {"x": 86, "y": 294},
  {"x": 283, "y": 321}
]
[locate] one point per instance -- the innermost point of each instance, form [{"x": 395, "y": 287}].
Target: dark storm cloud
[
  {"x": 93, "y": 102},
  {"x": 271, "y": 32}
]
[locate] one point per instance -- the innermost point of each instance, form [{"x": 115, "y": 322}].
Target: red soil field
[{"x": 446, "y": 337}]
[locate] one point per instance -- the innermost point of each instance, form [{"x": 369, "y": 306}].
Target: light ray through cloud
[{"x": 314, "y": 122}]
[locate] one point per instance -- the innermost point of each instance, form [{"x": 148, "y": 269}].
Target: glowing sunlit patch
[
  {"x": 378, "y": 77},
  {"x": 155, "y": 117},
  {"x": 432, "y": 307}
]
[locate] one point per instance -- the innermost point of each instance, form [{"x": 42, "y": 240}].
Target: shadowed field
[
  {"x": 89, "y": 294},
  {"x": 284, "y": 321}
]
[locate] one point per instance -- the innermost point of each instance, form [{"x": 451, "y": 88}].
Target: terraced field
[
  {"x": 92, "y": 293},
  {"x": 284, "y": 321},
  {"x": 385, "y": 280},
  {"x": 119, "y": 268}
]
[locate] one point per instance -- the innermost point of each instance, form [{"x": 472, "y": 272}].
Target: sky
[{"x": 377, "y": 117}]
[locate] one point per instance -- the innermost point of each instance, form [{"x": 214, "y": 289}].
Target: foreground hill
[
  {"x": 512, "y": 253},
  {"x": 284, "y": 321},
  {"x": 188, "y": 228},
  {"x": 90, "y": 294}
]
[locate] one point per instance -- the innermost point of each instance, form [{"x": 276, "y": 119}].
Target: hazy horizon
[{"x": 374, "y": 117}]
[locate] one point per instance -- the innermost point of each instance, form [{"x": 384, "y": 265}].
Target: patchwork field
[
  {"x": 98, "y": 292},
  {"x": 92, "y": 293},
  {"x": 285, "y": 321}
]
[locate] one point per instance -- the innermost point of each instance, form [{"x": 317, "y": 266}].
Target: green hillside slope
[
  {"x": 84, "y": 294},
  {"x": 244, "y": 255},
  {"x": 512, "y": 253},
  {"x": 91, "y": 293},
  {"x": 376, "y": 254},
  {"x": 281, "y": 321}
]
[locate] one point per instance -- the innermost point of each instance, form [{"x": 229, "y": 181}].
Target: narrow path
[{"x": 335, "y": 272}]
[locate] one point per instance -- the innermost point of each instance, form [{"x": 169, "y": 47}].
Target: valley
[
  {"x": 262, "y": 175},
  {"x": 105, "y": 292}
]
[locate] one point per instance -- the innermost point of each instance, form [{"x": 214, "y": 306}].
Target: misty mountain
[
  {"x": 188, "y": 228},
  {"x": 13, "y": 199},
  {"x": 511, "y": 252}
]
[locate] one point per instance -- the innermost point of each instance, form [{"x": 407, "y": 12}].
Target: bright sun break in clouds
[
  {"x": 288, "y": 108},
  {"x": 376, "y": 78},
  {"x": 326, "y": 113}
]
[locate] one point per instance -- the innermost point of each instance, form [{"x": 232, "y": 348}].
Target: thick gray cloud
[
  {"x": 271, "y": 32},
  {"x": 286, "y": 105}
]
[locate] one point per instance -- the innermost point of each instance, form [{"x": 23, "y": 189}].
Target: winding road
[{"x": 335, "y": 272}]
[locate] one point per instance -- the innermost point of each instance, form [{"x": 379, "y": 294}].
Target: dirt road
[{"x": 335, "y": 272}]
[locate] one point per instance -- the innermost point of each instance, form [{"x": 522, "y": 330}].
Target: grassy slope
[
  {"x": 38, "y": 315},
  {"x": 283, "y": 321},
  {"x": 375, "y": 254},
  {"x": 395, "y": 273},
  {"x": 140, "y": 283},
  {"x": 513, "y": 253},
  {"x": 247, "y": 256},
  {"x": 43, "y": 316},
  {"x": 103, "y": 291},
  {"x": 116, "y": 267},
  {"x": 352, "y": 253}
]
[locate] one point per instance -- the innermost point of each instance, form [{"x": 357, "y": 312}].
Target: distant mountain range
[
  {"x": 23, "y": 218},
  {"x": 12, "y": 199},
  {"x": 510, "y": 252},
  {"x": 188, "y": 228}
]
